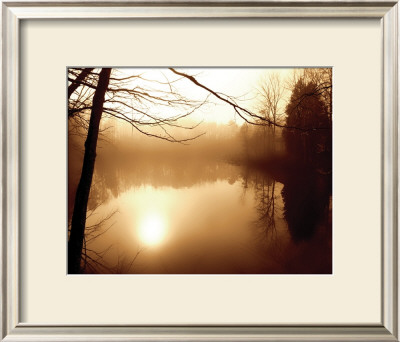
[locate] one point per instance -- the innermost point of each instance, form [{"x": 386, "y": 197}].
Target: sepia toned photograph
[{"x": 199, "y": 170}]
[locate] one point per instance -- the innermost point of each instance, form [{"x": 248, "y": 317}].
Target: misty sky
[{"x": 241, "y": 83}]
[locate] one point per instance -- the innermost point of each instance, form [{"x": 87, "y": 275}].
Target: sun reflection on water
[{"x": 152, "y": 228}]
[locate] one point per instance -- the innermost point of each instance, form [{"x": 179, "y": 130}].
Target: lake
[{"x": 202, "y": 217}]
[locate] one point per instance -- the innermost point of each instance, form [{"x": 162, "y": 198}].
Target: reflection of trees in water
[
  {"x": 268, "y": 223},
  {"x": 264, "y": 190},
  {"x": 112, "y": 180},
  {"x": 293, "y": 218},
  {"x": 306, "y": 202}
]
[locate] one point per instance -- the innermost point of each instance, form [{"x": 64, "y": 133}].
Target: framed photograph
[{"x": 184, "y": 171}]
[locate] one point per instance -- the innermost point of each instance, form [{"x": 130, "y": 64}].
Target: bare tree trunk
[{"x": 78, "y": 223}]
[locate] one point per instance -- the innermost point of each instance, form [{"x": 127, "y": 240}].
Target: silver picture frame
[{"x": 16, "y": 11}]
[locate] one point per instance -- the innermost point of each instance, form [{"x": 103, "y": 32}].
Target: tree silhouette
[
  {"x": 94, "y": 94},
  {"x": 310, "y": 109},
  {"x": 272, "y": 95},
  {"x": 82, "y": 193}
]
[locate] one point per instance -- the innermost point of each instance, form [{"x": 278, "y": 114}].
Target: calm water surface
[{"x": 209, "y": 218}]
